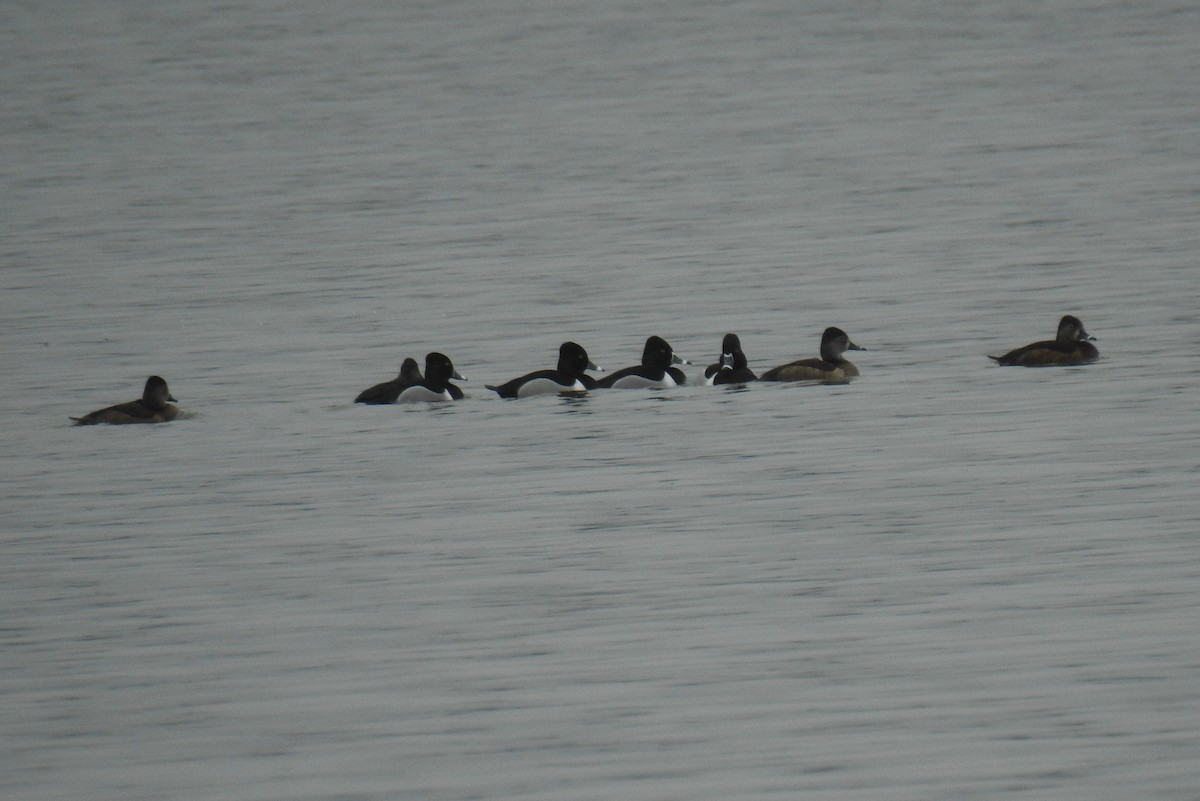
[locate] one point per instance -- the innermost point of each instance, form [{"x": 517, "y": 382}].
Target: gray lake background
[{"x": 944, "y": 580}]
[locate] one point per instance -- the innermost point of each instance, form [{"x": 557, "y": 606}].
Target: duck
[
  {"x": 731, "y": 367},
  {"x": 569, "y": 376},
  {"x": 153, "y": 407},
  {"x": 829, "y": 367},
  {"x": 1072, "y": 345},
  {"x": 435, "y": 385},
  {"x": 388, "y": 391},
  {"x": 656, "y": 370}
]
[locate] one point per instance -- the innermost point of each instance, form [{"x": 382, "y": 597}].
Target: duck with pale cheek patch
[
  {"x": 831, "y": 366},
  {"x": 152, "y": 407},
  {"x": 435, "y": 386},
  {"x": 1072, "y": 345}
]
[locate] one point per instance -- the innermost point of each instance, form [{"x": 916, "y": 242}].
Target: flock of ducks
[{"x": 658, "y": 368}]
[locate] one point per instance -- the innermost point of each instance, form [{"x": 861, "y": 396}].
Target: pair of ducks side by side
[
  {"x": 410, "y": 385},
  {"x": 733, "y": 368},
  {"x": 657, "y": 369},
  {"x": 1072, "y": 346}
]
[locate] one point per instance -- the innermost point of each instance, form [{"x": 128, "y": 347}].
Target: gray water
[{"x": 945, "y": 580}]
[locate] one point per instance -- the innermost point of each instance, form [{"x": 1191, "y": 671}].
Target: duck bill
[
  {"x": 726, "y": 361},
  {"x": 458, "y": 377},
  {"x": 595, "y": 367}
]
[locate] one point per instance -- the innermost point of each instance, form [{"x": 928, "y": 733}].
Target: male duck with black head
[
  {"x": 152, "y": 407},
  {"x": 656, "y": 370},
  {"x": 388, "y": 391},
  {"x": 569, "y": 376},
  {"x": 435, "y": 385},
  {"x": 1073, "y": 345},
  {"x": 830, "y": 367},
  {"x": 731, "y": 367}
]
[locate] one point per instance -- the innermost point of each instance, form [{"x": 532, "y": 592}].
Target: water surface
[{"x": 945, "y": 580}]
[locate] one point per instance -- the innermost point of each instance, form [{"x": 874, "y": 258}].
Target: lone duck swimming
[
  {"x": 1073, "y": 345},
  {"x": 830, "y": 367},
  {"x": 152, "y": 407}
]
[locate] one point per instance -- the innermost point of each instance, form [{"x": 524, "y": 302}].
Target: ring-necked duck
[
  {"x": 655, "y": 370},
  {"x": 435, "y": 386},
  {"x": 1072, "y": 346},
  {"x": 830, "y": 367},
  {"x": 152, "y": 407},
  {"x": 569, "y": 376},
  {"x": 732, "y": 367},
  {"x": 388, "y": 391}
]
